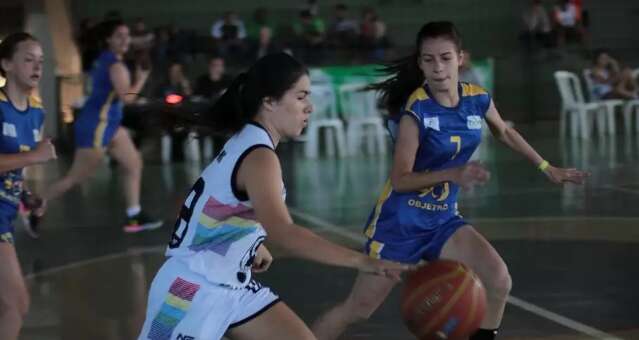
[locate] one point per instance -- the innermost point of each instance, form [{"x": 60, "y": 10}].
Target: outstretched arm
[
  {"x": 260, "y": 175},
  {"x": 515, "y": 141}
]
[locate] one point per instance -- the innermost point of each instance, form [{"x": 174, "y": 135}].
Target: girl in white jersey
[{"x": 205, "y": 289}]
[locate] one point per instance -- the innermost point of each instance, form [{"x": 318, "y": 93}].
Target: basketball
[{"x": 443, "y": 300}]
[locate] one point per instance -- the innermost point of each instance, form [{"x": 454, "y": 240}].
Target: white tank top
[{"x": 217, "y": 234}]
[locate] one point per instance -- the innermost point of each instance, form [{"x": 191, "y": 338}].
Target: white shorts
[{"x": 184, "y": 305}]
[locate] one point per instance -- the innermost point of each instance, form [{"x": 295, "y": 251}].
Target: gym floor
[{"x": 572, "y": 251}]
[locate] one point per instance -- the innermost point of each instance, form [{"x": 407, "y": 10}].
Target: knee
[{"x": 499, "y": 282}]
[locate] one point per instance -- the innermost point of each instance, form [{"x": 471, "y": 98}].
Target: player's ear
[{"x": 269, "y": 103}]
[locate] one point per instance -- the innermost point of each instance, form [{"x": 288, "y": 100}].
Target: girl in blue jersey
[
  {"x": 97, "y": 128},
  {"x": 435, "y": 123},
  {"x": 21, "y": 145},
  {"x": 205, "y": 288}
]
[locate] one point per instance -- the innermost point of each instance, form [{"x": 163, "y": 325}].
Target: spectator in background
[
  {"x": 176, "y": 82},
  {"x": 310, "y": 33},
  {"x": 342, "y": 31},
  {"x": 263, "y": 45},
  {"x": 373, "y": 34},
  {"x": 212, "y": 84},
  {"x": 466, "y": 71},
  {"x": 567, "y": 23},
  {"x": 537, "y": 27},
  {"x": 230, "y": 33},
  {"x": 160, "y": 48},
  {"x": 260, "y": 21},
  {"x": 141, "y": 38},
  {"x": 610, "y": 81}
]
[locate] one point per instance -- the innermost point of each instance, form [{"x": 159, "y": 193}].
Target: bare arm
[
  {"x": 260, "y": 175},
  {"x": 121, "y": 80},
  {"x": 404, "y": 179},
  {"x": 43, "y": 152},
  {"x": 509, "y": 136}
]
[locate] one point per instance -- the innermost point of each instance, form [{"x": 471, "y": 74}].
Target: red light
[{"x": 173, "y": 99}]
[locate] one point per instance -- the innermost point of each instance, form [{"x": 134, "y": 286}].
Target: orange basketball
[{"x": 443, "y": 300}]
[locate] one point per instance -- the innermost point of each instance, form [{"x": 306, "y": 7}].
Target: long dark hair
[
  {"x": 405, "y": 74},
  {"x": 96, "y": 40},
  {"x": 9, "y": 46},
  {"x": 271, "y": 76}
]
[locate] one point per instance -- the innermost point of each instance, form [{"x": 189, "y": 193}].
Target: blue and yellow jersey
[
  {"x": 103, "y": 104},
  {"x": 21, "y": 130},
  {"x": 447, "y": 138}
]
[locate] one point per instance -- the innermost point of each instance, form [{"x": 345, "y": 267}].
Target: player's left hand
[
  {"x": 263, "y": 260},
  {"x": 562, "y": 175}
]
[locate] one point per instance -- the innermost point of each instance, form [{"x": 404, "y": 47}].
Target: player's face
[
  {"x": 25, "y": 67},
  {"x": 120, "y": 39},
  {"x": 291, "y": 112},
  {"x": 439, "y": 60}
]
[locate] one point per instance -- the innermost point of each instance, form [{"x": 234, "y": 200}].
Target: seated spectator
[
  {"x": 373, "y": 34},
  {"x": 610, "y": 81},
  {"x": 212, "y": 84},
  {"x": 230, "y": 34},
  {"x": 342, "y": 31},
  {"x": 176, "y": 82},
  {"x": 141, "y": 38},
  {"x": 263, "y": 45},
  {"x": 309, "y": 32},
  {"x": 567, "y": 23},
  {"x": 466, "y": 71},
  {"x": 260, "y": 20},
  {"x": 229, "y": 27},
  {"x": 537, "y": 28}
]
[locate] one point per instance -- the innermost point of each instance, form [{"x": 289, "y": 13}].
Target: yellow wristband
[{"x": 543, "y": 165}]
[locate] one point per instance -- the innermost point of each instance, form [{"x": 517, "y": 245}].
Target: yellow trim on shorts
[
  {"x": 99, "y": 131},
  {"x": 376, "y": 249},
  {"x": 388, "y": 188}
]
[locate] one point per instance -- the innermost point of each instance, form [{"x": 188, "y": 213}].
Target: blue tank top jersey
[
  {"x": 103, "y": 103},
  {"x": 447, "y": 138},
  {"x": 21, "y": 130}
]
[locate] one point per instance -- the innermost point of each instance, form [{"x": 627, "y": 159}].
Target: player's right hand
[
  {"x": 44, "y": 151},
  {"x": 389, "y": 269},
  {"x": 471, "y": 174}
]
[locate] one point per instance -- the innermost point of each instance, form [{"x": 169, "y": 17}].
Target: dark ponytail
[
  {"x": 405, "y": 74},
  {"x": 9, "y": 46},
  {"x": 271, "y": 76}
]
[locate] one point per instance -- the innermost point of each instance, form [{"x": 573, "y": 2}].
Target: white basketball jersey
[{"x": 217, "y": 234}]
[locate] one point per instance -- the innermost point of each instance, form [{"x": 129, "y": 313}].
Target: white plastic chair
[
  {"x": 363, "y": 118},
  {"x": 324, "y": 117},
  {"x": 609, "y": 105},
  {"x": 191, "y": 147},
  {"x": 632, "y": 106},
  {"x": 574, "y": 106}
]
